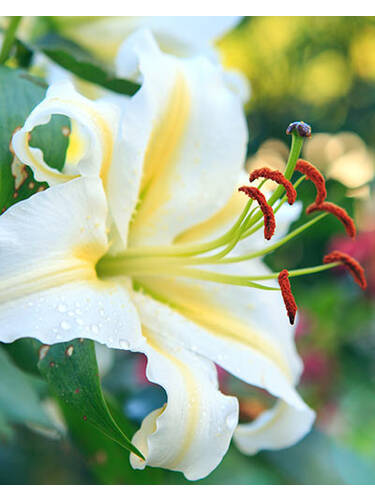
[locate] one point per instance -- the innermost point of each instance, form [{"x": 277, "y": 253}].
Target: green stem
[{"x": 9, "y": 38}]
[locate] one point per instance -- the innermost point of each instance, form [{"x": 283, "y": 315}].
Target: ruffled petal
[
  {"x": 98, "y": 122},
  {"x": 280, "y": 427},
  {"x": 269, "y": 364},
  {"x": 199, "y": 417},
  {"x": 49, "y": 289},
  {"x": 194, "y": 139}
]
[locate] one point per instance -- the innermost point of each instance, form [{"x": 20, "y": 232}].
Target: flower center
[{"x": 193, "y": 261}]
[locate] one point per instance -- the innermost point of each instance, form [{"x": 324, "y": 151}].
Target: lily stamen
[
  {"x": 287, "y": 294},
  {"x": 338, "y": 212},
  {"x": 269, "y": 218},
  {"x": 315, "y": 176},
  {"x": 351, "y": 264},
  {"x": 276, "y": 176}
]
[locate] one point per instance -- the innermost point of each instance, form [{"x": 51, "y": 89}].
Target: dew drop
[
  {"x": 94, "y": 329},
  {"x": 61, "y": 308},
  {"x": 124, "y": 344},
  {"x": 65, "y": 325},
  {"x": 79, "y": 321}
]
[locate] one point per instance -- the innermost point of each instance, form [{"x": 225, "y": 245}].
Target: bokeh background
[{"x": 320, "y": 70}]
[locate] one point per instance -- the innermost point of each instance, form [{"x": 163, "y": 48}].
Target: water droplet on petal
[
  {"x": 65, "y": 325},
  {"x": 124, "y": 344},
  {"x": 94, "y": 329},
  {"x": 61, "y": 308}
]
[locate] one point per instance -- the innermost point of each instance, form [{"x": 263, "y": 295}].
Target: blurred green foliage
[{"x": 317, "y": 69}]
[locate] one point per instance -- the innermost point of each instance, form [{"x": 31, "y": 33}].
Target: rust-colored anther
[
  {"x": 269, "y": 217},
  {"x": 338, "y": 212},
  {"x": 313, "y": 174},
  {"x": 287, "y": 294},
  {"x": 351, "y": 264},
  {"x": 277, "y": 176}
]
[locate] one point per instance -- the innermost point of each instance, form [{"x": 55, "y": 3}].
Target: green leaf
[
  {"x": 19, "y": 94},
  {"x": 19, "y": 399},
  {"x": 82, "y": 64},
  {"x": 9, "y": 36},
  {"x": 105, "y": 459},
  {"x": 72, "y": 373},
  {"x": 24, "y": 353}
]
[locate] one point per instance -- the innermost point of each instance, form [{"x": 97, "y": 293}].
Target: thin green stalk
[
  {"x": 250, "y": 231},
  {"x": 110, "y": 267},
  {"x": 276, "y": 245},
  {"x": 9, "y": 38}
]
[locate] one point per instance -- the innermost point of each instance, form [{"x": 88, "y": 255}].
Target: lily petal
[
  {"x": 199, "y": 417},
  {"x": 280, "y": 427},
  {"x": 49, "y": 289},
  {"x": 195, "y": 139},
  {"x": 97, "y": 120}
]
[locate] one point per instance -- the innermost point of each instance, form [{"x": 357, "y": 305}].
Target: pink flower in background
[
  {"x": 303, "y": 326},
  {"x": 363, "y": 249},
  {"x": 317, "y": 366}
]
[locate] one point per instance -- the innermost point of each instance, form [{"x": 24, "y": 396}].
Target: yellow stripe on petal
[
  {"x": 76, "y": 147},
  {"x": 40, "y": 166},
  {"x": 41, "y": 279},
  {"x": 192, "y": 390},
  {"x": 214, "y": 224},
  {"x": 195, "y": 304},
  {"x": 162, "y": 153}
]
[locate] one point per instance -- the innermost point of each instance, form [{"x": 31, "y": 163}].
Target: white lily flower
[{"x": 179, "y": 151}]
